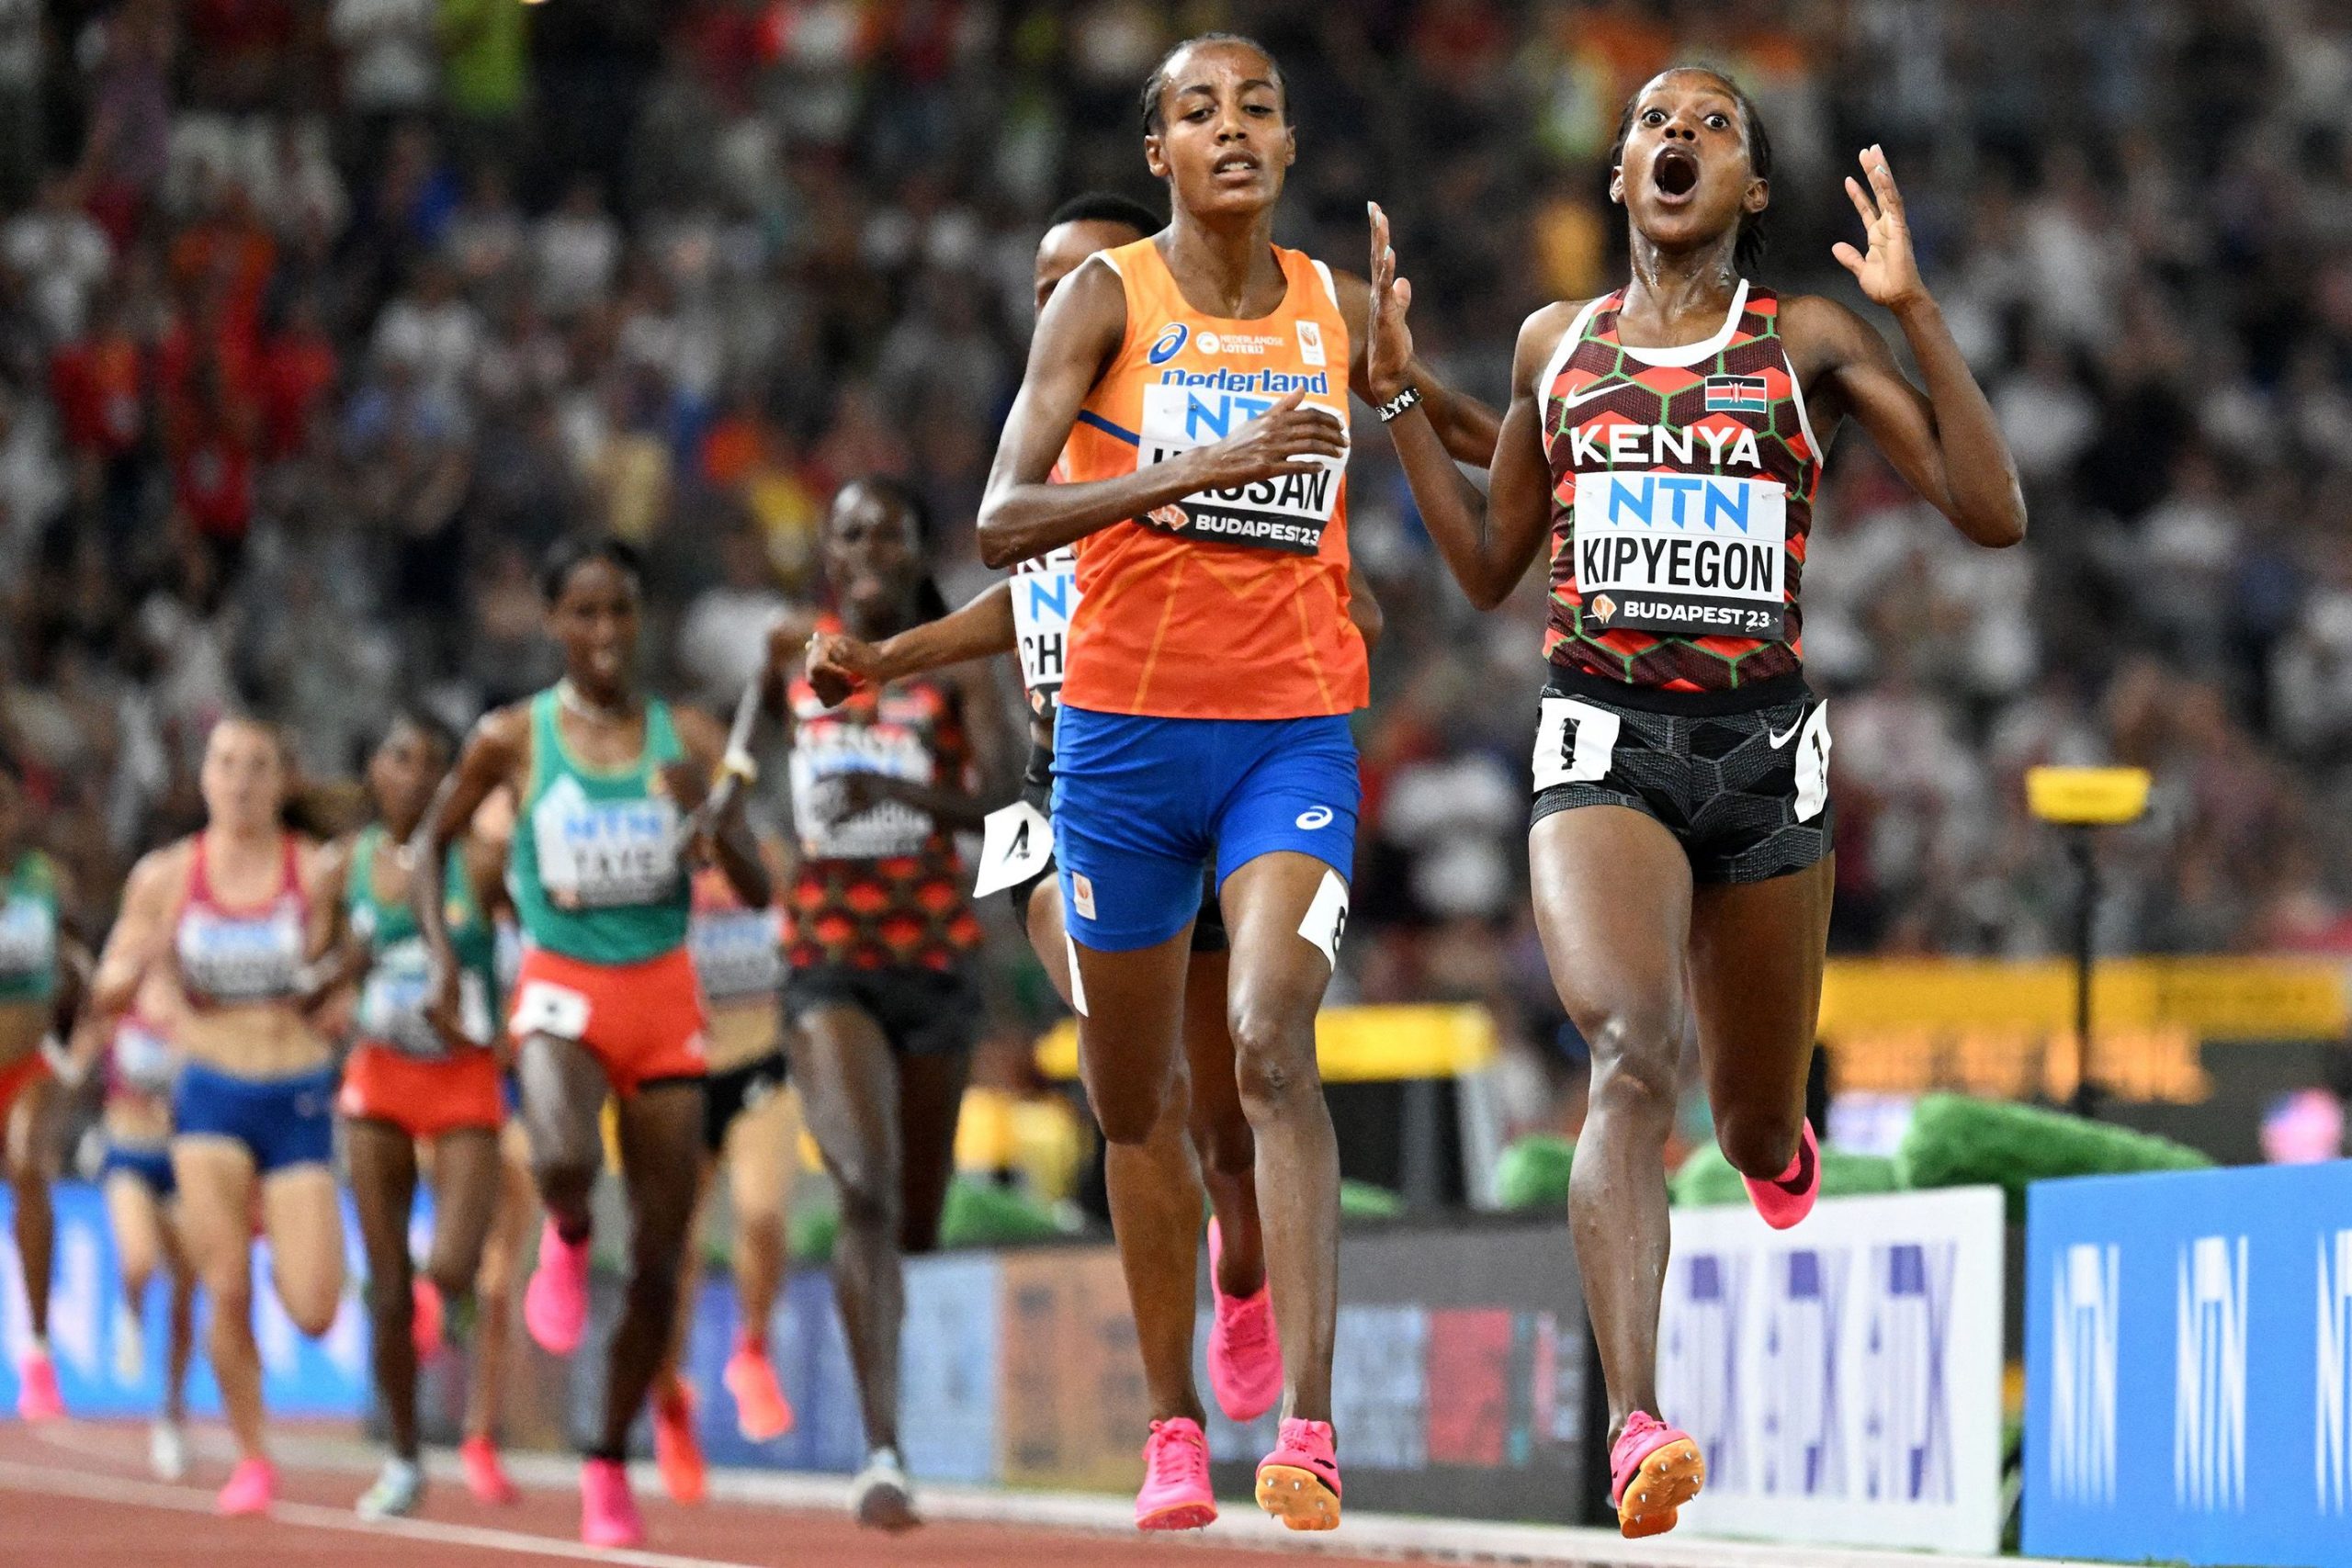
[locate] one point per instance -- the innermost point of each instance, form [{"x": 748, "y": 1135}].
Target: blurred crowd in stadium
[{"x": 318, "y": 320}]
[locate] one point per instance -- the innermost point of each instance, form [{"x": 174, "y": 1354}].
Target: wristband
[{"x": 1409, "y": 398}]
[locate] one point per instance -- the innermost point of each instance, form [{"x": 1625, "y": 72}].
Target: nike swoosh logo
[
  {"x": 1573, "y": 398},
  {"x": 1780, "y": 740}
]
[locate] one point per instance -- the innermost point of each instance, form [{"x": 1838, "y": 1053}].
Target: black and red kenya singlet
[{"x": 1683, "y": 486}]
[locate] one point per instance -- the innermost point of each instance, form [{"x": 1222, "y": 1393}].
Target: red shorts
[
  {"x": 422, "y": 1096},
  {"x": 17, "y": 1076},
  {"x": 643, "y": 1022}
]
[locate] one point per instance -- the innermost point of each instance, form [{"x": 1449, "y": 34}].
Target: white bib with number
[
  {"x": 1688, "y": 555},
  {"x": 1287, "y": 512},
  {"x": 1015, "y": 843},
  {"x": 604, "y": 854},
  {"x": 824, "y": 754},
  {"x": 28, "y": 938},
  {"x": 391, "y": 1002},
  {"x": 1045, "y": 596}
]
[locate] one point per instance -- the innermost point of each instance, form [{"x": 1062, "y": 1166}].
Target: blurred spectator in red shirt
[{"x": 299, "y": 367}]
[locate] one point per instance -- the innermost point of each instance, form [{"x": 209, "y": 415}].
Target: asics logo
[
  {"x": 1318, "y": 816},
  {"x": 1170, "y": 343},
  {"x": 1786, "y": 736}
]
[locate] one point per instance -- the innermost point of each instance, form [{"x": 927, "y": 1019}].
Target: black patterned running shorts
[{"x": 1740, "y": 778}]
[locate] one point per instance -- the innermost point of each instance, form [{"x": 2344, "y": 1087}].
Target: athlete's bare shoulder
[
  {"x": 1817, "y": 332},
  {"x": 1539, "y": 336},
  {"x": 1086, "y": 317},
  {"x": 704, "y": 737},
  {"x": 160, "y": 874},
  {"x": 499, "y": 746}
]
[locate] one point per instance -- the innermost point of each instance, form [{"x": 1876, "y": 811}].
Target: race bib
[
  {"x": 825, "y": 754},
  {"x": 546, "y": 1007},
  {"x": 28, "y": 938},
  {"x": 1688, "y": 555},
  {"x": 1287, "y": 512},
  {"x": 735, "y": 953},
  {"x": 1015, "y": 843},
  {"x": 144, "y": 1059},
  {"x": 604, "y": 854},
  {"x": 393, "y": 999},
  {"x": 1045, "y": 596}
]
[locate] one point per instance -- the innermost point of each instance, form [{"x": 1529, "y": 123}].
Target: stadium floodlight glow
[{"x": 2081, "y": 799}]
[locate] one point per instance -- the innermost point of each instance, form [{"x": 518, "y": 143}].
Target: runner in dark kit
[{"x": 1660, "y": 439}]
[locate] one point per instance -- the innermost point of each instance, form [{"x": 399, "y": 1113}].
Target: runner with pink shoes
[{"x": 1682, "y": 843}]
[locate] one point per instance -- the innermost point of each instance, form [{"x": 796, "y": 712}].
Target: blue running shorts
[
  {"x": 151, "y": 1165},
  {"x": 1140, "y": 802},
  {"x": 283, "y": 1121}
]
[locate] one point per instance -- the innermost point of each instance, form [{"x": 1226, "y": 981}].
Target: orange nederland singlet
[{"x": 1232, "y": 603}]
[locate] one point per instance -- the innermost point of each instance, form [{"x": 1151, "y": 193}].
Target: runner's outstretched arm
[
  {"x": 1945, "y": 441},
  {"x": 838, "y": 663},
  {"x": 492, "y": 753},
  {"x": 1467, "y": 428},
  {"x": 734, "y": 847},
  {"x": 1488, "y": 541}
]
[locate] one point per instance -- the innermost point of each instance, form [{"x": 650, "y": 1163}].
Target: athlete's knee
[
  {"x": 871, "y": 1203},
  {"x": 1273, "y": 1057},
  {"x": 450, "y": 1277},
  {"x": 564, "y": 1183},
  {"x": 1758, "y": 1145},
  {"x": 1129, "y": 1113},
  {"x": 311, "y": 1303},
  {"x": 1641, "y": 1035},
  {"x": 230, "y": 1289}
]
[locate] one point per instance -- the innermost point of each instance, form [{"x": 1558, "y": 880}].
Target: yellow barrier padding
[
  {"x": 1043, "y": 1139},
  {"x": 2088, "y": 796},
  {"x": 1355, "y": 1044},
  {"x": 2210, "y": 999},
  {"x": 2149, "y": 1065}
]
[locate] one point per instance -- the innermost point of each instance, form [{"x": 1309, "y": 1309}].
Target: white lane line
[
  {"x": 38, "y": 1478},
  {"x": 1241, "y": 1528}
]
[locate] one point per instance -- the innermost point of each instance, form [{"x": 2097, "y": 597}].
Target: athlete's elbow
[
  {"x": 997, "y": 549},
  {"x": 1486, "y": 592}
]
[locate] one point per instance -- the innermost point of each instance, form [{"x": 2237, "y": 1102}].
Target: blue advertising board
[
  {"x": 2188, "y": 1367},
  {"x": 109, "y": 1363}
]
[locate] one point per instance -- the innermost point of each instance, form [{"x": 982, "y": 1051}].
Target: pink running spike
[
  {"x": 1176, "y": 1494},
  {"x": 608, "y": 1512},
  {"x": 554, "y": 1304},
  {"x": 252, "y": 1488},
  {"x": 1789, "y": 1197},
  {"x": 1245, "y": 1351}
]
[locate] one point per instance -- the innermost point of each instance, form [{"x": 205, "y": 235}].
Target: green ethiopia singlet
[
  {"x": 392, "y": 1000},
  {"x": 29, "y": 931},
  {"x": 596, "y": 870}
]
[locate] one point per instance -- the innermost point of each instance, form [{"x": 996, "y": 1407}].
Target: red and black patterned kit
[
  {"x": 1682, "y": 487},
  {"x": 879, "y": 884}
]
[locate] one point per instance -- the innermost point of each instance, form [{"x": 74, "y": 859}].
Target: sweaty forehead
[
  {"x": 1677, "y": 86},
  {"x": 1204, "y": 68}
]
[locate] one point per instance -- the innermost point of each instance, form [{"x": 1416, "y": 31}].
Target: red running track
[{"x": 79, "y": 1494}]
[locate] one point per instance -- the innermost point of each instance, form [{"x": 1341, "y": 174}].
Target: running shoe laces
[{"x": 1177, "y": 1449}]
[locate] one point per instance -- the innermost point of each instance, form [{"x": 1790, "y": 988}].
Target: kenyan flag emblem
[{"x": 1737, "y": 394}]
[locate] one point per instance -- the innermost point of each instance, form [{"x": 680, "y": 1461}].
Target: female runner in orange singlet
[{"x": 1194, "y": 389}]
